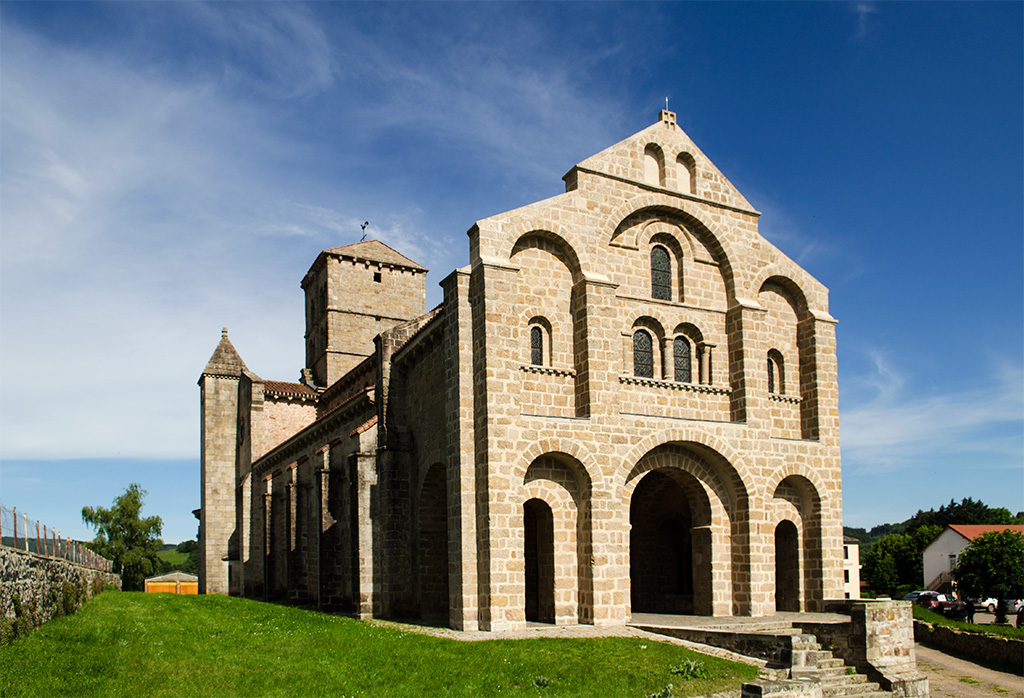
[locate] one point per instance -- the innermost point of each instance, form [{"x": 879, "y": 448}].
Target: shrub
[{"x": 689, "y": 669}]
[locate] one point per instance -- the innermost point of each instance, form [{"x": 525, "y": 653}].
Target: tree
[
  {"x": 896, "y": 561},
  {"x": 891, "y": 563},
  {"x": 127, "y": 539},
  {"x": 992, "y": 565},
  {"x": 966, "y": 511}
]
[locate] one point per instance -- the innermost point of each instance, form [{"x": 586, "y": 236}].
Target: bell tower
[{"x": 353, "y": 293}]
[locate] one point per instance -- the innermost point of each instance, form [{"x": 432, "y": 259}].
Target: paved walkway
[
  {"x": 951, "y": 677},
  {"x": 536, "y": 630}
]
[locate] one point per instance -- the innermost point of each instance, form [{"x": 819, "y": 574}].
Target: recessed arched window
[
  {"x": 776, "y": 379},
  {"x": 654, "y": 165},
  {"x": 536, "y": 346},
  {"x": 643, "y": 354},
  {"x": 661, "y": 274},
  {"x": 685, "y": 170},
  {"x": 683, "y": 360}
]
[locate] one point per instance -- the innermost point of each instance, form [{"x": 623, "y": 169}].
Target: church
[{"x": 625, "y": 403}]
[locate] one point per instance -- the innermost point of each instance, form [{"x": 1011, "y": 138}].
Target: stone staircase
[
  {"x": 836, "y": 679},
  {"x": 792, "y": 657}
]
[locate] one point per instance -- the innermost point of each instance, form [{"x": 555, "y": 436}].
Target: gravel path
[{"x": 951, "y": 677}]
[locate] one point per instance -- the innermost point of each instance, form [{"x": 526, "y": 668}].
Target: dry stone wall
[{"x": 39, "y": 588}]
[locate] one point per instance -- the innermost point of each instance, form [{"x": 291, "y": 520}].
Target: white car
[{"x": 1012, "y": 605}]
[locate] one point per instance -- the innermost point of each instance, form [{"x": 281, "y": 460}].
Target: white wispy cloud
[
  {"x": 148, "y": 202},
  {"x": 893, "y": 428},
  {"x": 863, "y": 12}
]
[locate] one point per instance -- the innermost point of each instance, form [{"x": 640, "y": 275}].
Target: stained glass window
[
  {"x": 643, "y": 354},
  {"x": 681, "y": 350},
  {"x": 661, "y": 274},
  {"x": 536, "y": 346}
]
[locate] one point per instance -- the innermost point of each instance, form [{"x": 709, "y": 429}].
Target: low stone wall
[
  {"x": 35, "y": 588},
  {"x": 879, "y": 642},
  {"x": 775, "y": 650},
  {"x": 991, "y": 648}
]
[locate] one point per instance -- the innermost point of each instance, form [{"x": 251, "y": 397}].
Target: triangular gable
[
  {"x": 626, "y": 160},
  {"x": 375, "y": 251}
]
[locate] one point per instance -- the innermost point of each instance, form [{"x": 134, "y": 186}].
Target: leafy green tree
[
  {"x": 992, "y": 565},
  {"x": 966, "y": 511},
  {"x": 126, "y": 538},
  {"x": 890, "y": 563},
  {"x": 895, "y": 560}
]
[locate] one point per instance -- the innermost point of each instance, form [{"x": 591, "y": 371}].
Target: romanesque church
[{"x": 625, "y": 403}]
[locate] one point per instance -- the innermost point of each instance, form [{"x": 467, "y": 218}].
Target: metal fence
[{"x": 18, "y": 531}]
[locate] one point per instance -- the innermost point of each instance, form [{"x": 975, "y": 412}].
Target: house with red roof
[{"x": 941, "y": 554}]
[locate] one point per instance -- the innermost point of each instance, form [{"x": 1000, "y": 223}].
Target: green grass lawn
[
  {"x": 984, "y": 629},
  {"x": 133, "y": 644}
]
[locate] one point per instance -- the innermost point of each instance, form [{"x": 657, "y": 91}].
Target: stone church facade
[{"x": 626, "y": 402}]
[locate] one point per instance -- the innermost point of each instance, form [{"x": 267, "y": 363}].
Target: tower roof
[
  {"x": 225, "y": 360},
  {"x": 375, "y": 251}
]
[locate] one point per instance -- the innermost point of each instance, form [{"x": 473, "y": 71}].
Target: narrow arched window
[
  {"x": 776, "y": 379},
  {"x": 536, "y": 346},
  {"x": 681, "y": 352},
  {"x": 661, "y": 274},
  {"x": 643, "y": 354}
]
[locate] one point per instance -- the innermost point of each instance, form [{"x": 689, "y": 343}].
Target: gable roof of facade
[
  {"x": 624, "y": 160},
  {"x": 972, "y": 531},
  {"x": 225, "y": 360},
  {"x": 375, "y": 251}
]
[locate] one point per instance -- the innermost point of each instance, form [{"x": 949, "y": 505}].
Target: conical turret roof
[{"x": 225, "y": 360}]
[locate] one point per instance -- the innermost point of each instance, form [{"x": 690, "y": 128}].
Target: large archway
[
  {"x": 539, "y": 554},
  {"x": 669, "y": 545},
  {"x": 689, "y": 532},
  {"x": 432, "y": 547}
]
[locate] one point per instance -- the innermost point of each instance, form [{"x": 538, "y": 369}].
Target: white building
[
  {"x": 851, "y": 568},
  {"x": 941, "y": 554}
]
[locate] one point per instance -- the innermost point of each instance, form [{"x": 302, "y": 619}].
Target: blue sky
[{"x": 171, "y": 168}]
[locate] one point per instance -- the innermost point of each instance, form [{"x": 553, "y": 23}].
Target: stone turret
[{"x": 218, "y": 419}]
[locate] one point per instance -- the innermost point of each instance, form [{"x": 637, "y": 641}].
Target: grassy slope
[
  {"x": 132, "y": 644},
  {"x": 174, "y": 558}
]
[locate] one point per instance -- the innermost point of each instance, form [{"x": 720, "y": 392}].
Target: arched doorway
[
  {"x": 432, "y": 547},
  {"x": 539, "y": 555},
  {"x": 796, "y": 501},
  {"x": 666, "y": 551},
  {"x": 787, "y": 567}
]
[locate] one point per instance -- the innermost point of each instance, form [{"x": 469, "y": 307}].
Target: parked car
[
  {"x": 912, "y": 595},
  {"x": 932, "y": 600},
  {"x": 1012, "y": 605},
  {"x": 985, "y": 604}
]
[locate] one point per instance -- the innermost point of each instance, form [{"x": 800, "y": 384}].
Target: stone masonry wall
[{"x": 38, "y": 583}]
